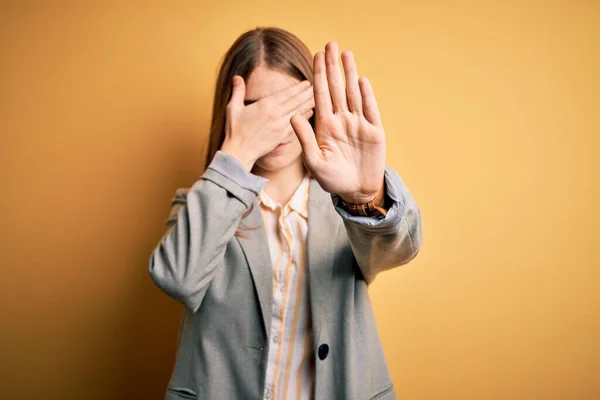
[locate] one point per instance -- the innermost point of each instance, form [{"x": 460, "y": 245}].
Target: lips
[{"x": 281, "y": 145}]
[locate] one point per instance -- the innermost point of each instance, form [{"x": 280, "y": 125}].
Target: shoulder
[{"x": 180, "y": 194}]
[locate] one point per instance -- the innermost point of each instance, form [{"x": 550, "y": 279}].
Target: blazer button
[{"x": 323, "y": 351}]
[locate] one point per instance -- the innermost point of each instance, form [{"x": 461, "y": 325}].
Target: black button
[{"x": 323, "y": 351}]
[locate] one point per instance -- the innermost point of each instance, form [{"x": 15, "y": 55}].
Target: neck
[{"x": 282, "y": 183}]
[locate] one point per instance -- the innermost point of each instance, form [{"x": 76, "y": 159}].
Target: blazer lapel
[
  {"x": 256, "y": 248},
  {"x": 323, "y": 227}
]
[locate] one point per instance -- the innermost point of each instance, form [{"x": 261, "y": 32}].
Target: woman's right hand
[{"x": 254, "y": 130}]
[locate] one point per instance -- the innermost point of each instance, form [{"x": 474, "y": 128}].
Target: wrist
[
  {"x": 242, "y": 156},
  {"x": 361, "y": 198},
  {"x": 372, "y": 206},
  {"x": 358, "y": 198}
]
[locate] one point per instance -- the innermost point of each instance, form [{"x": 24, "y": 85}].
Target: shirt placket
[
  {"x": 287, "y": 240},
  {"x": 286, "y": 277}
]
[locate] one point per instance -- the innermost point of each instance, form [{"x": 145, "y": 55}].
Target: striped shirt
[{"x": 290, "y": 366}]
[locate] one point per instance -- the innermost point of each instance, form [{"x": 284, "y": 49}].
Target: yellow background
[{"x": 491, "y": 113}]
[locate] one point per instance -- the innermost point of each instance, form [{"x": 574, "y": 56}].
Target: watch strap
[{"x": 368, "y": 209}]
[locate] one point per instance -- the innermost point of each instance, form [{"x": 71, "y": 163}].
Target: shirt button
[
  {"x": 268, "y": 394},
  {"x": 276, "y": 339},
  {"x": 282, "y": 288}
]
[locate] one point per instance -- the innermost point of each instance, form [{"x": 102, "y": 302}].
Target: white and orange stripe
[{"x": 290, "y": 367}]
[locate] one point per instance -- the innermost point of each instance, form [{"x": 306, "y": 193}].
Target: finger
[
  {"x": 305, "y": 114},
  {"x": 334, "y": 78},
  {"x": 321, "y": 88},
  {"x": 300, "y": 109},
  {"x": 288, "y": 128},
  {"x": 308, "y": 141},
  {"x": 352, "y": 88},
  {"x": 298, "y": 100},
  {"x": 370, "y": 108},
  {"x": 284, "y": 95},
  {"x": 238, "y": 92}
]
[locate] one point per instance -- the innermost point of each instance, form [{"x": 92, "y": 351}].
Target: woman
[{"x": 272, "y": 248}]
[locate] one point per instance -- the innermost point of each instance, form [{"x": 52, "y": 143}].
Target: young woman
[{"x": 272, "y": 248}]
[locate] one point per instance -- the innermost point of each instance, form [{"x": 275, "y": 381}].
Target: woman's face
[{"x": 262, "y": 82}]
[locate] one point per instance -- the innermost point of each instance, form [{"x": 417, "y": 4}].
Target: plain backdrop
[{"x": 491, "y": 115}]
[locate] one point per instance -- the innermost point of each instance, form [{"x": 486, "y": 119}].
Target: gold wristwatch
[{"x": 372, "y": 208}]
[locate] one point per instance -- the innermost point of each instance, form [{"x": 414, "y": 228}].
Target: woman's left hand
[{"x": 347, "y": 153}]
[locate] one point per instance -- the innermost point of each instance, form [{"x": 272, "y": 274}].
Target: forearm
[
  {"x": 379, "y": 244},
  {"x": 189, "y": 253}
]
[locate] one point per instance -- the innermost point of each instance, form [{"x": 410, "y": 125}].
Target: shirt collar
[{"x": 298, "y": 202}]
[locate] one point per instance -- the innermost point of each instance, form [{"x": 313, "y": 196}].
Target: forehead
[{"x": 264, "y": 81}]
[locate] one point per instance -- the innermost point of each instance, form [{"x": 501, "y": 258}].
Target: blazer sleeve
[
  {"x": 202, "y": 220},
  {"x": 381, "y": 244}
]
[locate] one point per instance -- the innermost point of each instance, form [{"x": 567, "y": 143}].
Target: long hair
[{"x": 269, "y": 46}]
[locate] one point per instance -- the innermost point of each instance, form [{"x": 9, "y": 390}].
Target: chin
[{"x": 278, "y": 162}]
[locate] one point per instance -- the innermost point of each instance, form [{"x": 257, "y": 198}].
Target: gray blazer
[{"x": 225, "y": 283}]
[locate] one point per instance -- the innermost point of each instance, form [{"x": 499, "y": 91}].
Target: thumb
[
  {"x": 308, "y": 141},
  {"x": 239, "y": 91}
]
